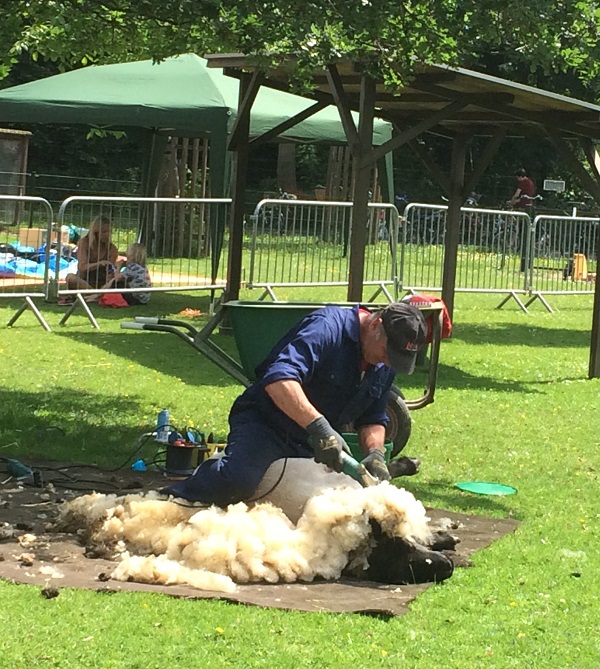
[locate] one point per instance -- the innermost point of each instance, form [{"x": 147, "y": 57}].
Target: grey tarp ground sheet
[{"x": 31, "y": 509}]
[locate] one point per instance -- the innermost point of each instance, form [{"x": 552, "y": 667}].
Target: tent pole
[{"x": 218, "y": 159}]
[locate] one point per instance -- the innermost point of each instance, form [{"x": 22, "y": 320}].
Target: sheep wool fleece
[{"x": 322, "y": 353}]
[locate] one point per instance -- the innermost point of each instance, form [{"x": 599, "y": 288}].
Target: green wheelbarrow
[{"x": 257, "y": 326}]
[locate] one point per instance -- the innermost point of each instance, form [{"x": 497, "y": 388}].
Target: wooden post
[
  {"x": 286, "y": 167},
  {"x": 591, "y": 182},
  {"x": 457, "y": 180},
  {"x": 240, "y": 171},
  {"x": 362, "y": 181}
]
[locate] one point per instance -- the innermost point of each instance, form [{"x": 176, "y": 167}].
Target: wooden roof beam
[
  {"x": 286, "y": 125},
  {"x": 554, "y": 117},
  {"x": 476, "y": 99},
  {"x": 406, "y": 135},
  {"x": 342, "y": 103}
]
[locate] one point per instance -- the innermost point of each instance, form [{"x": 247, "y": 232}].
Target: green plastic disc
[{"x": 486, "y": 488}]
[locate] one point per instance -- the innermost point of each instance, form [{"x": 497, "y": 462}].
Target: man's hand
[
  {"x": 374, "y": 463},
  {"x": 327, "y": 443}
]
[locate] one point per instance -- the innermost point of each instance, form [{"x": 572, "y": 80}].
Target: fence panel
[
  {"x": 423, "y": 228},
  {"x": 300, "y": 242},
  {"x": 564, "y": 257},
  {"x": 26, "y": 258},
  {"x": 492, "y": 249},
  {"x": 180, "y": 235},
  {"x": 25, "y": 227}
]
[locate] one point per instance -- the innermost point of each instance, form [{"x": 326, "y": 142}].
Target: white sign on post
[{"x": 554, "y": 185}]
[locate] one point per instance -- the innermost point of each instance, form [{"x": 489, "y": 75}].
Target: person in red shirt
[{"x": 525, "y": 192}]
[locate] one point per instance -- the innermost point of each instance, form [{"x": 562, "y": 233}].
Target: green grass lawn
[{"x": 513, "y": 404}]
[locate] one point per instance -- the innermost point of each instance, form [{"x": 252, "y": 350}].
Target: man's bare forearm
[
  {"x": 371, "y": 438},
  {"x": 291, "y": 399}
]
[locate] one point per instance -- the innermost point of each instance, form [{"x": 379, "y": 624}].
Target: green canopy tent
[{"x": 180, "y": 96}]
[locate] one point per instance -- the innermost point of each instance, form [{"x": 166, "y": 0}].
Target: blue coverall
[{"x": 323, "y": 354}]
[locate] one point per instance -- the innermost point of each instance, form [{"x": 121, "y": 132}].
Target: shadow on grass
[
  {"x": 445, "y": 496},
  {"x": 166, "y": 353},
  {"x": 161, "y": 352},
  {"x": 453, "y": 377},
  {"x": 68, "y": 425},
  {"x": 160, "y": 304},
  {"x": 521, "y": 334}
]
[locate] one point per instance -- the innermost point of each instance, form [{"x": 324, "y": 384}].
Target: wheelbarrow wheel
[{"x": 400, "y": 425}]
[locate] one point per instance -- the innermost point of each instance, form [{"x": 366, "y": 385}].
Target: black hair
[{"x": 520, "y": 172}]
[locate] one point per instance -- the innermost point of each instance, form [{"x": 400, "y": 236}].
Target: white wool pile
[
  {"x": 159, "y": 570},
  {"x": 214, "y": 548}
]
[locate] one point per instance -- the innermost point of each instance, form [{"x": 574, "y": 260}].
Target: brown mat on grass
[{"x": 31, "y": 509}]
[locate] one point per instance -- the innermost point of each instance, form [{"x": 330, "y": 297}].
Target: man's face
[{"x": 374, "y": 344}]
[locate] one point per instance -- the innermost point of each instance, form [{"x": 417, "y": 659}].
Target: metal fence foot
[
  {"x": 79, "y": 300},
  {"x": 538, "y": 296},
  {"x": 513, "y": 296},
  {"x": 268, "y": 292},
  {"x": 29, "y": 303},
  {"x": 384, "y": 290}
]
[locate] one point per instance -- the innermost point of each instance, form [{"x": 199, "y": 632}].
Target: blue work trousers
[{"x": 253, "y": 445}]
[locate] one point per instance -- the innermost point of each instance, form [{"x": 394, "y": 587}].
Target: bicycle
[
  {"x": 543, "y": 245},
  {"x": 505, "y": 240},
  {"x": 528, "y": 199}
]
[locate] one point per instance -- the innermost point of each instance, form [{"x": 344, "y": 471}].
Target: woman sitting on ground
[
  {"x": 132, "y": 273},
  {"x": 96, "y": 257}
]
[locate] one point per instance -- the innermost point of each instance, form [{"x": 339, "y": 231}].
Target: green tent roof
[{"x": 180, "y": 94}]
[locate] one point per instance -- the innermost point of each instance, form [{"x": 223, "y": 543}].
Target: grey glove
[
  {"x": 327, "y": 443},
  {"x": 374, "y": 463}
]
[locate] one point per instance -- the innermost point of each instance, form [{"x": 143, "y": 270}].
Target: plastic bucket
[{"x": 351, "y": 439}]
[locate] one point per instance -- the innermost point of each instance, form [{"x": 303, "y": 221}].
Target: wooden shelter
[{"x": 452, "y": 102}]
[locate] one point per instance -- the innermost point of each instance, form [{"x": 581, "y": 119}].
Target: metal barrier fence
[
  {"x": 500, "y": 251},
  {"x": 564, "y": 256},
  {"x": 180, "y": 235},
  {"x": 307, "y": 242},
  {"x": 26, "y": 224},
  {"x": 298, "y": 243},
  {"x": 492, "y": 250}
]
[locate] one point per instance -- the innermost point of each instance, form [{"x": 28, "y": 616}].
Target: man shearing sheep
[{"x": 335, "y": 367}]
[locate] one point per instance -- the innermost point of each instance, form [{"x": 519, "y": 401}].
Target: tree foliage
[
  {"x": 524, "y": 41},
  {"x": 553, "y": 45}
]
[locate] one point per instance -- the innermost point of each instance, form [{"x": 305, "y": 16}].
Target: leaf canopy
[{"x": 522, "y": 41}]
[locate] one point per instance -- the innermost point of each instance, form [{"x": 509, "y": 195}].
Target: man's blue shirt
[{"x": 322, "y": 353}]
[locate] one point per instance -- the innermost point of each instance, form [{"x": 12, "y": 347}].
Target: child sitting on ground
[{"x": 132, "y": 273}]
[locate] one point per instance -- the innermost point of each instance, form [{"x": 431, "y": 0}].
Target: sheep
[{"x": 303, "y": 523}]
